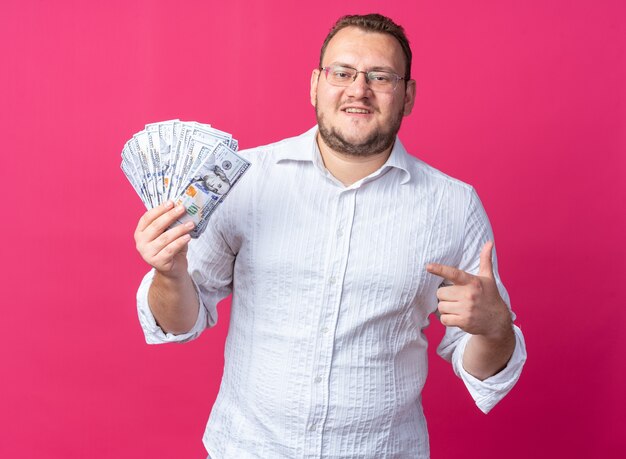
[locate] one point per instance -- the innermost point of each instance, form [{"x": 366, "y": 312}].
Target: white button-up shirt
[{"x": 325, "y": 355}]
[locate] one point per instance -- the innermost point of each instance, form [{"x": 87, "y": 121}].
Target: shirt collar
[
  {"x": 304, "y": 148},
  {"x": 399, "y": 159}
]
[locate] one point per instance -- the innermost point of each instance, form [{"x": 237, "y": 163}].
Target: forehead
[{"x": 364, "y": 49}]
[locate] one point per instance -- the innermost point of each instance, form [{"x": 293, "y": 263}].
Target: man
[{"x": 335, "y": 246}]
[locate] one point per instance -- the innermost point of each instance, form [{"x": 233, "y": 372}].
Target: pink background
[{"x": 525, "y": 100}]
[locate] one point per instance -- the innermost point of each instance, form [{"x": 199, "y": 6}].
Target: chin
[
  {"x": 355, "y": 140},
  {"x": 356, "y": 134}
]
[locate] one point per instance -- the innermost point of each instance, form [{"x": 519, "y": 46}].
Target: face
[
  {"x": 354, "y": 120},
  {"x": 216, "y": 184}
]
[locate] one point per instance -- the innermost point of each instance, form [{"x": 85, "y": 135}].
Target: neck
[{"x": 349, "y": 169}]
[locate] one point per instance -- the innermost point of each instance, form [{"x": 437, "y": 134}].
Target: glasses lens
[
  {"x": 382, "y": 81},
  {"x": 377, "y": 80},
  {"x": 340, "y": 76}
]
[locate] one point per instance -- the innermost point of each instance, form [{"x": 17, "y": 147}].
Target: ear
[
  {"x": 409, "y": 97},
  {"x": 315, "y": 78}
]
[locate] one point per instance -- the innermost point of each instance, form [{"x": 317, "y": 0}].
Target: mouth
[{"x": 356, "y": 110}]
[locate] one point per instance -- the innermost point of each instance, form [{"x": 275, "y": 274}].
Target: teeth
[{"x": 356, "y": 110}]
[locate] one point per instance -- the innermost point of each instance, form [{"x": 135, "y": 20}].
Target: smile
[{"x": 356, "y": 110}]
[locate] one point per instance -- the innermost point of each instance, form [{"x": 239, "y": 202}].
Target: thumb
[{"x": 486, "y": 265}]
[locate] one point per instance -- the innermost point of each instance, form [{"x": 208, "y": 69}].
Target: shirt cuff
[
  {"x": 489, "y": 392},
  {"x": 151, "y": 330}
]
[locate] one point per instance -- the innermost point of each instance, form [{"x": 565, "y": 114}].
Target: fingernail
[
  {"x": 168, "y": 204},
  {"x": 189, "y": 225}
]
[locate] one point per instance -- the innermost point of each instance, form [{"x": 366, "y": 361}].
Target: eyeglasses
[{"x": 378, "y": 80}]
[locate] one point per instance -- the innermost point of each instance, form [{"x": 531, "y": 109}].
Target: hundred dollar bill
[
  {"x": 161, "y": 136},
  {"x": 176, "y": 128},
  {"x": 196, "y": 151},
  {"x": 131, "y": 168},
  {"x": 155, "y": 157},
  {"x": 179, "y": 181},
  {"x": 211, "y": 182},
  {"x": 191, "y": 163},
  {"x": 139, "y": 147},
  {"x": 207, "y": 134}
]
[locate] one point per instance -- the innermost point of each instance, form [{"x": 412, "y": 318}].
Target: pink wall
[{"x": 525, "y": 100}]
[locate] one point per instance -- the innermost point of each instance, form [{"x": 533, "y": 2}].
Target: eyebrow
[{"x": 377, "y": 68}]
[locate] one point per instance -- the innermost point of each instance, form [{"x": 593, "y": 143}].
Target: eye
[
  {"x": 380, "y": 77},
  {"x": 341, "y": 73}
]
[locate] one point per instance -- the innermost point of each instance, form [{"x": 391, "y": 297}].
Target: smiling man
[
  {"x": 337, "y": 246},
  {"x": 360, "y": 112}
]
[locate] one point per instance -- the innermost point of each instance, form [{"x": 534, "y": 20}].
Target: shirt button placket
[{"x": 336, "y": 267}]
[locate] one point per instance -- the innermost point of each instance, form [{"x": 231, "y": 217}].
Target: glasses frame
[{"x": 328, "y": 68}]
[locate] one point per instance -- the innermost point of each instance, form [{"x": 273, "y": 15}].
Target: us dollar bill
[
  {"x": 219, "y": 170},
  {"x": 191, "y": 163}
]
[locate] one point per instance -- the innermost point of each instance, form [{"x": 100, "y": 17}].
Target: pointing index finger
[
  {"x": 486, "y": 265},
  {"x": 454, "y": 275}
]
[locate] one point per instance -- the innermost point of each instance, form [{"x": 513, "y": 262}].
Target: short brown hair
[{"x": 373, "y": 23}]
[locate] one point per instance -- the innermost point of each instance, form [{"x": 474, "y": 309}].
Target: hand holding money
[
  {"x": 172, "y": 297},
  {"x": 163, "y": 249}
]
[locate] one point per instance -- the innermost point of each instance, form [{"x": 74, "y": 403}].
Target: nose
[{"x": 359, "y": 86}]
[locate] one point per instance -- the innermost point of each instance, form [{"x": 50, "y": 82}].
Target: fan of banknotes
[{"x": 187, "y": 162}]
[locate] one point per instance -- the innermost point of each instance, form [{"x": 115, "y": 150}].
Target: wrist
[
  {"x": 173, "y": 275},
  {"x": 501, "y": 333}
]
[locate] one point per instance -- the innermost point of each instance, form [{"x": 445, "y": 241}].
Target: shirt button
[
  {"x": 313, "y": 427},
  {"x": 339, "y": 232},
  {"x": 318, "y": 379},
  {"x": 325, "y": 330},
  {"x": 332, "y": 280}
]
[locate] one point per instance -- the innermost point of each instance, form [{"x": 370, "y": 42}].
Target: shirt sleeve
[
  {"x": 210, "y": 264},
  {"x": 489, "y": 392}
]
